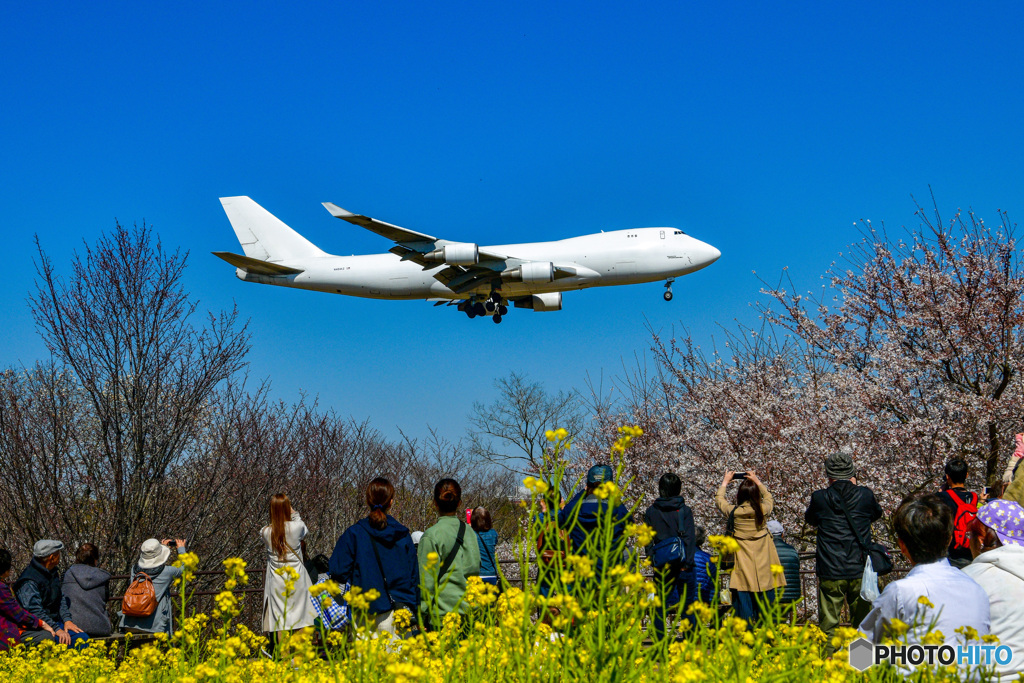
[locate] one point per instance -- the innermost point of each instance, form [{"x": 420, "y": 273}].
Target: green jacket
[{"x": 440, "y": 539}]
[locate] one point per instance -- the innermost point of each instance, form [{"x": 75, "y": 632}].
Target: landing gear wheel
[
  {"x": 489, "y": 306},
  {"x": 496, "y": 319},
  {"x": 479, "y": 309},
  {"x": 502, "y": 309},
  {"x": 668, "y": 295},
  {"x": 470, "y": 312}
]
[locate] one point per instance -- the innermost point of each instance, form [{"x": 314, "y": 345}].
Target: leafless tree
[
  {"x": 509, "y": 432},
  {"x": 123, "y": 326}
]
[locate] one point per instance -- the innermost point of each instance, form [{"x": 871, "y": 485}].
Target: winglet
[{"x": 337, "y": 211}]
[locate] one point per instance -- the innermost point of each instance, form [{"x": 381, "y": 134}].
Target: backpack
[
  {"x": 668, "y": 550},
  {"x": 140, "y": 598},
  {"x": 965, "y": 514}
]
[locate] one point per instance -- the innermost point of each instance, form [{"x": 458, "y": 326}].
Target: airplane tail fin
[{"x": 263, "y": 235}]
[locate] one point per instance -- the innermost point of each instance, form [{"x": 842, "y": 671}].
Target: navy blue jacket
[
  {"x": 354, "y": 562},
  {"x": 704, "y": 574},
  {"x": 591, "y": 511}
]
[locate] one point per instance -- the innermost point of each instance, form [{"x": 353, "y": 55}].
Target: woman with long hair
[
  {"x": 286, "y": 603},
  {"x": 752, "y": 578},
  {"x": 378, "y": 553},
  {"x": 449, "y": 554}
]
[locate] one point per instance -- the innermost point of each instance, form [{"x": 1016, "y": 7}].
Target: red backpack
[{"x": 965, "y": 514}]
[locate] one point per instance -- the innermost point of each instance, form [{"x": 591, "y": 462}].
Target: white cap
[
  {"x": 416, "y": 536},
  {"x": 775, "y": 528}
]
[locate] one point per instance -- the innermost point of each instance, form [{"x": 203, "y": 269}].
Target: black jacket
[
  {"x": 672, "y": 517},
  {"x": 838, "y": 556}
]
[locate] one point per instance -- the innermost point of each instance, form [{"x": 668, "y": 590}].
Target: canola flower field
[{"x": 592, "y": 626}]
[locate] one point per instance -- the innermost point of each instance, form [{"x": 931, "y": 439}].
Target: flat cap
[{"x": 46, "y": 547}]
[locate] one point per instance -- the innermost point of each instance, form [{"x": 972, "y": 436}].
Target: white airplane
[{"x": 480, "y": 281}]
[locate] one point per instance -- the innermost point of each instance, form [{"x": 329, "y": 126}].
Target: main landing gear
[
  {"x": 668, "y": 289},
  {"x": 493, "y": 306}
]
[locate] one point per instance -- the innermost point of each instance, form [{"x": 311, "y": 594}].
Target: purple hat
[{"x": 1006, "y": 518}]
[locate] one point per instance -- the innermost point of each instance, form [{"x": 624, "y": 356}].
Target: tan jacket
[{"x": 757, "y": 552}]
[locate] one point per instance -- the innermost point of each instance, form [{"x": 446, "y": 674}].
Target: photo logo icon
[{"x": 862, "y": 654}]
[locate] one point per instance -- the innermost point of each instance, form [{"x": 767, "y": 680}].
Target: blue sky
[{"x": 765, "y": 129}]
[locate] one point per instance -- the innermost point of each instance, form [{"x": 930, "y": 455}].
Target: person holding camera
[
  {"x": 839, "y": 560},
  {"x": 160, "y": 577},
  {"x": 752, "y": 578}
]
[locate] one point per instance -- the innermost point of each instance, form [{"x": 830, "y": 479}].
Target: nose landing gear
[{"x": 668, "y": 289}]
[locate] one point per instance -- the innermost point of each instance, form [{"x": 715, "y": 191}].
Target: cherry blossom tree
[{"x": 909, "y": 355}]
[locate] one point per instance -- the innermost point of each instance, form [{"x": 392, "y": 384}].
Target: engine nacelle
[
  {"x": 531, "y": 273},
  {"x": 461, "y": 254},
  {"x": 540, "y": 303}
]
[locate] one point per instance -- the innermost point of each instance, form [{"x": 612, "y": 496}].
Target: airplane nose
[{"x": 706, "y": 253}]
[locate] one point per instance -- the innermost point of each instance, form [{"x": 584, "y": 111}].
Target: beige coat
[{"x": 757, "y": 552}]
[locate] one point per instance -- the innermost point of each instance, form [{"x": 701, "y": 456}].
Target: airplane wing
[
  {"x": 392, "y": 232},
  {"x": 418, "y": 247}
]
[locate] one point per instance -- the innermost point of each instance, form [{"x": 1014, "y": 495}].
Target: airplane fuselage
[{"x": 609, "y": 258}]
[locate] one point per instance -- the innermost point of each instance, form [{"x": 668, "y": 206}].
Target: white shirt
[
  {"x": 958, "y": 599},
  {"x": 1000, "y": 572}
]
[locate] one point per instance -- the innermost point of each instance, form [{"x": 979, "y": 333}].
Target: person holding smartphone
[{"x": 752, "y": 578}]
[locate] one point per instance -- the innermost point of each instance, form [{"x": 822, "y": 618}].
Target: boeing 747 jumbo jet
[{"x": 479, "y": 281}]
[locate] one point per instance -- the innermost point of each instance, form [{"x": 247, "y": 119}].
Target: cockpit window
[{"x": 678, "y": 232}]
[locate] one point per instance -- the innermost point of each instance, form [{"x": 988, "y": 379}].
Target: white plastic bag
[{"x": 869, "y": 582}]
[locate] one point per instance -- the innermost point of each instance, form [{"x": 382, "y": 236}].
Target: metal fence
[{"x": 210, "y": 583}]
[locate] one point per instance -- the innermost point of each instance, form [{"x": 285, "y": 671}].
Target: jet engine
[
  {"x": 531, "y": 273},
  {"x": 460, "y": 254},
  {"x": 552, "y": 301}
]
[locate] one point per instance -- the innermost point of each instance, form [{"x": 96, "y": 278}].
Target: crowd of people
[{"x": 966, "y": 553}]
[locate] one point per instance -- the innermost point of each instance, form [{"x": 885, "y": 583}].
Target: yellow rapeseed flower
[
  {"x": 724, "y": 544},
  {"x": 898, "y": 627},
  {"x": 537, "y": 486},
  {"x": 644, "y": 534}
]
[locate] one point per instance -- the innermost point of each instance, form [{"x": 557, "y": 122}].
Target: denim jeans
[
  {"x": 676, "y": 585},
  {"x": 749, "y": 605}
]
